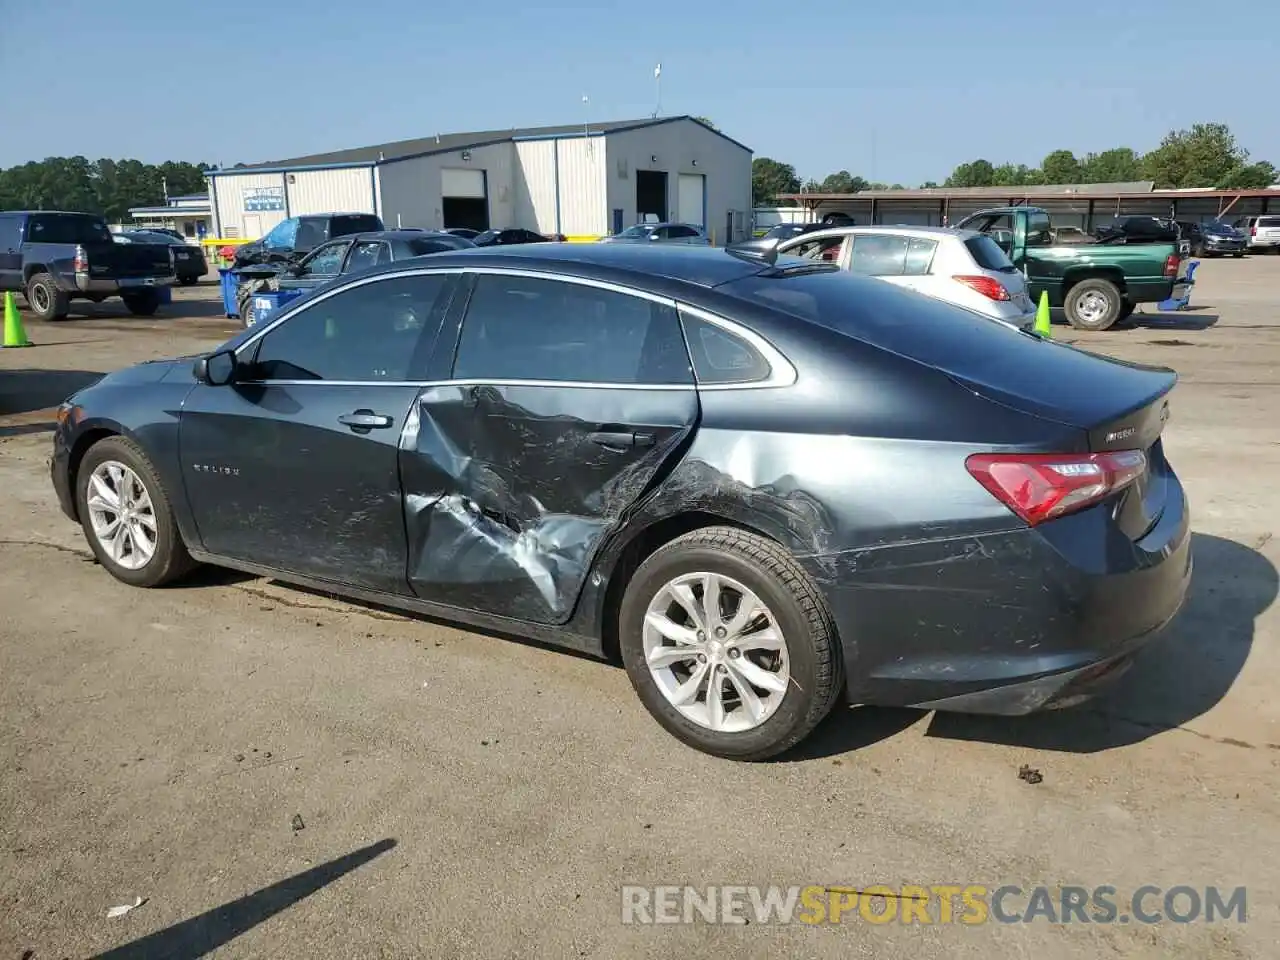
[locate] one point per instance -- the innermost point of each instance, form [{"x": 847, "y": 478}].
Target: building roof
[
  {"x": 1065, "y": 191},
  {"x": 451, "y": 142}
]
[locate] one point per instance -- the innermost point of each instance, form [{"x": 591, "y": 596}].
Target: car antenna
[{"x": 755, "y": 251}]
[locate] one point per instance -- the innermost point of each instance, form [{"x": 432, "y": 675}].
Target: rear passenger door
[{"x": 567, "y": 401}]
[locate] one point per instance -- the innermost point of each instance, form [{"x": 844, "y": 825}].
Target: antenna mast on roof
[{"x": 657, "y": 84}]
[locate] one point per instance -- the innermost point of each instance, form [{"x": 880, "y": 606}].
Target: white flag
[{"x": 657, "y": 71}]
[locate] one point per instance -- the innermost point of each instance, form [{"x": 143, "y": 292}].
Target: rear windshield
[
  {"x": 988, "y": 255},
  {"x": 67, "y": 228},
  {"x": 341, "y": 226}
]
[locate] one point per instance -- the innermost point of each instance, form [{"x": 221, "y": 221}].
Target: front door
[
  {"x": 296, "y": 466},
  {"x": 568, "y": 402}
]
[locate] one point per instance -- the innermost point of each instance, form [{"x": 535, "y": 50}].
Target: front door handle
[
  {"x": 365, "y": 420},
  {"x": 621, "y": 439}
]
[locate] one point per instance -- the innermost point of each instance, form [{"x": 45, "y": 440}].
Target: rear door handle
[
  {"x": 365, "y": 420},
  {"x": 621, "y": 439}
]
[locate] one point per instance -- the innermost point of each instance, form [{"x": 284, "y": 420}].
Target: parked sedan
[
  {"x": 730, "y": 469},
  {"x": 189, "y": 262},
  {"x": 348, "y": 254},
  {"x": 685, "y": 233},
  {"x": 962, "y": 267},
  {"x": 1213, "y": 238},
  {"x": 508, "y": 237}
]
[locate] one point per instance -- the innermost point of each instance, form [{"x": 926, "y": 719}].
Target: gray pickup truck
[{"x": 53, "y": 258}]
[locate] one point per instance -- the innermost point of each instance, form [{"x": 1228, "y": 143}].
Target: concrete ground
[{"x": 461, "y": 795}]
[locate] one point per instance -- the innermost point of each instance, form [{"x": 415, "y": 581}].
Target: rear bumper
[
  {"x": 121, "y": 285},
  {"x": 1012, "y": 622}
]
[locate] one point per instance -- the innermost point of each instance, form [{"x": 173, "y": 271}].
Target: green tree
[
  {"x": 1061, "y": 166},
  {"x": 1015, "y": 175},
  {"x": 769, "y": 178},
  {"x": 1117, "y": 165},
  {"x": 705, "y": 122},
  {"x": 979, "y": 173},
  {"x": 1252, "y": 176},
  {"x": 1207, "y": 155},
  {"x": 842, "y": 182},
  {"x": 929, "y": 185}
]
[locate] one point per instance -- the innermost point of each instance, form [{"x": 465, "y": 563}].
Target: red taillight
[
  {"x": 1171, "y": 264},
  {"x": 81, "y": 263},
  {"x": 1253, "y": 231},
  {"x": 1041, "y": 486},
  {"x": 989, "y": 287}
]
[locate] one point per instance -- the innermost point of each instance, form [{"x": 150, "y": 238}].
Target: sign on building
[{"x": 258, "y": 199}]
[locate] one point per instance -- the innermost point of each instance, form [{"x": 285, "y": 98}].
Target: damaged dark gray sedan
[{"x": 764, "y": 486}]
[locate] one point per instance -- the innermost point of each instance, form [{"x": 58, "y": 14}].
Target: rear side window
[
  {"x": 66, "y": 228},
  {"x": 364, "y": 334},
  {"x": 987, "y": 254},
  {"x": 879, "y": 255},
  {"x": 525, "y": 328},
  {"x": 10, "y": 232},
  {"x": 364, "y": 256},
  {"x": 719, "y": 357},
  {"x": 920, "y": 256},
  {"x": 1269, "y": 221}
]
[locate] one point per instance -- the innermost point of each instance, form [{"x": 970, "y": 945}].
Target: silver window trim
[{"x": 781, "y": 371}]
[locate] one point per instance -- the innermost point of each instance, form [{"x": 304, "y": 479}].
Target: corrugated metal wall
[
  {"x": 331, "y": 191},
  {"x": 535, "y": 185},
  {"x": 233, "y": 219},
  {"x": 583, "y": 188}
]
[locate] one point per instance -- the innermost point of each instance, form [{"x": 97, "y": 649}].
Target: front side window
[
  {"x": 324, "y": 262},
  {"x": 826, "y": 249},
  {"x": 879, "y": 255},
  {"x": 282, "y": 235},
  {"x": 1039, "y": 229},
  {"x": 364, "y": 256},
  {"x": 367, "y": 333},
  {"x": 719, "y": 356},
  {"x": 524, "y": 328},
  {"x": 67, "y": 228}
]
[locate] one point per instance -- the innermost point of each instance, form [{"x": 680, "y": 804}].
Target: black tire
[
  {"x": 1238, "y": 254},
  {"x": 1098, "y": 288},
  {"x": 245, "y": 309},
  {"x": 170, "y": 559},
  {"x": 144, "y": 303},
  {"x": 188, "y": 281},
  {"x": 44, "y": 298},
  {"x": 1126, "y": 310},
  {"x": 799, "y": 610}
]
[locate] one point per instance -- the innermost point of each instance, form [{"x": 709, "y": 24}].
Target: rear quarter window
[
  {"x": 988, "y": 255},
  {"x": 1269, "y": 221}
]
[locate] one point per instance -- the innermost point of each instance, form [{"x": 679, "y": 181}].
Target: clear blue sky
[{"x": 893, "y": 91}]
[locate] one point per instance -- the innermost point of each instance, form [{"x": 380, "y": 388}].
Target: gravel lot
[{"x": 462, "y": 795}]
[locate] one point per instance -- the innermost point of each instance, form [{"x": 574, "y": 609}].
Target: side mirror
[{"x": 215, "y": 369}]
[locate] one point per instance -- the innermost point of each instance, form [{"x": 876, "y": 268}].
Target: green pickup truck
[{"x": 1096, "y": 282}]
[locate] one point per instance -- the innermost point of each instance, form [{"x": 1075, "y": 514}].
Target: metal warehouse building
[{"x": 581, "y": 181}]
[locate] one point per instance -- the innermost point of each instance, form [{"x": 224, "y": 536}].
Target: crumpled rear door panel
[{"x": 509, "y": 490}]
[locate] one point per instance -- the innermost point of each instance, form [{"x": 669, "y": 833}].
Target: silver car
[
  {"x": 1262, "y": 233},
  {"x": 661, "y": 233},
  {"x": 962, "y": 267}
]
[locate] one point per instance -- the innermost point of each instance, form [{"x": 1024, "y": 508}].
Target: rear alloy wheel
[
  {"x": 144, "y": 303},
  {"x": 126, "y": 516},
  {"x": 1093, "y": 304},
  {"x": 729, "y": 645}
]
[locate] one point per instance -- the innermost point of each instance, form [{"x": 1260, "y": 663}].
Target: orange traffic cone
[{"x": 14, "y": 334}]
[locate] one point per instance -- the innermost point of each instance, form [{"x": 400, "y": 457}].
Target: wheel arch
[
  {"x": 642, "y": 543},
  {"x": 88, "y": 436},
  {"x": 1111, "y": 274},
  {"x": 29, "y": 270}
]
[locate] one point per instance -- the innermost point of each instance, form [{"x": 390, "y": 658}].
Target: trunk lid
[{"x": 128, "y": 260}]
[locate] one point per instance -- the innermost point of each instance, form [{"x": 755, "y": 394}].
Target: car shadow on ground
[
  {"x": 25, "y": 390},
  {"x": 1181, "y": 676},
  {"x": 202, "y": 934}
]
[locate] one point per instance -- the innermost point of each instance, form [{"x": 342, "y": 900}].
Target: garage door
[
  {"x": 462, "y": 183},
  {"x": 691, "y": 188}
]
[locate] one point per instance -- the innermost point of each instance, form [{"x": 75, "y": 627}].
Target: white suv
[
  {"x": 962, "y": 267},
  {"x": 1262, "y": 233}
]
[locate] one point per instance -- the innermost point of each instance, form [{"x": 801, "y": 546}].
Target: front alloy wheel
[
  {"x": 716, "y": 652},
  {"x": 121, "y": 515}
]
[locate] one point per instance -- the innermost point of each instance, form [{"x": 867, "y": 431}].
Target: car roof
[
  {"x": 623, "y": 263},
  {"x": 884, "y": 228},
  {"x": 395, "y": 235}
]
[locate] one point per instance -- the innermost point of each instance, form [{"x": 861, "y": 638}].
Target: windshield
[
  {"x": 637, "y": 232},
  {"x": 67, "y": 228},
  {"x": 487, "y": 236},
  {"x": 1220, "y": 226}
]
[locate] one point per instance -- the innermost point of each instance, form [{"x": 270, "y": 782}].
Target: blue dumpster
[
  {"x": 228, "y": 281},
  {"x": 269, "y": 301}
]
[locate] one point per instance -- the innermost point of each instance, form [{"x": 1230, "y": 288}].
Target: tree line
[
  {"x": 1207, "y": 155},
  {"x": 107, "y": 187}
]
